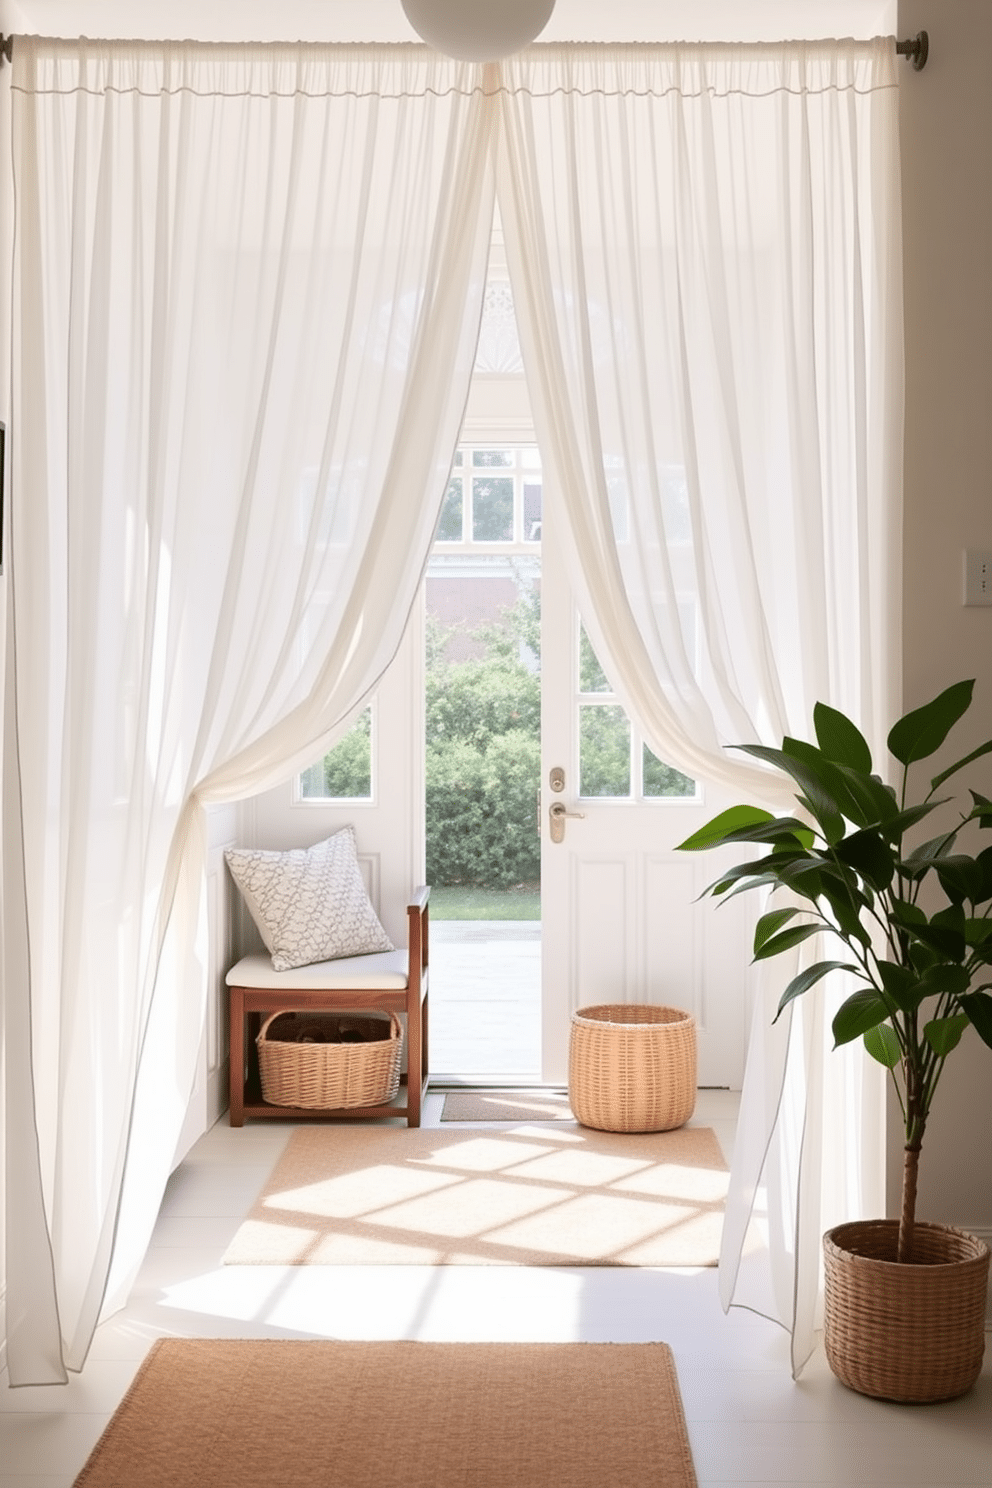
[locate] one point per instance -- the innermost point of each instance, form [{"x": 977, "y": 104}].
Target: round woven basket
[
  {"x": 329, "y": 1061},
  {"x": 632, "y": 1067},
  {"x": 911, "y": 1332}
]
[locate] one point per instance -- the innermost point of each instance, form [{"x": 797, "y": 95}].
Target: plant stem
[{"x": 907, "y": 1219}]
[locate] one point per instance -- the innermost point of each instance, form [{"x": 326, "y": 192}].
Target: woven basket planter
[
  {"x": 913, "y": 1332},
  {"x": 632, "y": 1067},
  {"x": 329, "y": 1061}
]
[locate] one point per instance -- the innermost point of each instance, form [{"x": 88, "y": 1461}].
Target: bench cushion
[{"x": 385, "y": 971}]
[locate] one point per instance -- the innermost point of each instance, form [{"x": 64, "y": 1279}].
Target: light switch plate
[{"x": 978, "y": 577}]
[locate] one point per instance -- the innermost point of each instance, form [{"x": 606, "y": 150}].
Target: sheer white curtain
[
  {"x": 248, "y": 283},
  {"x": 704, "y": 249}
]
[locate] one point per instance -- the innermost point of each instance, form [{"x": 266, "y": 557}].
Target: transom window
[{"x": 493, "y": 496}]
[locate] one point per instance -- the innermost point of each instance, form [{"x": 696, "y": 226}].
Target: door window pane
[
  {"x": 604, "y": 750},
  {"x": 345, "y": 772},
  {"x": 664, "y": 780},
  {"x": 592, "y": 678}
]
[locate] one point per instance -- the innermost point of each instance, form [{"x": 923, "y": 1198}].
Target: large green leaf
[
  {"x": 765, "y": 869},
  {"x": 771, "y": 923},
  {"x": 783, "y": 831},
  {"x": 943, "y": 939},
  {"x": 961, "y": 878},
  {"x": 978, "y": 1006},
  {"x": 902, "y": 985},
  {"x": 920, "y": 733},
  {"x": 944, "y": 1034},
  {"x": 861, "y": 797},
  {"x": 982, "y": 810},
  {"x": 984, "y": 861},
  {"x": 722, "y": 888},
  {"x": 840, "y": 739},
  {"x": 944, "y": 977},
  {"x": 849, "y": 924},
  {"x": 951, "y": 918},
  {"x": 715, "y": 831},
  {"x": 830, "y": 783},
  {"x": 862, "y": 1010},
  {"x": 896, "y": 825},
  {"x": 923, "y": 958},
  {"x": 882, "y": 1044},
  {"x": 930, "y": 851},
  {"x": 977, "y": 931},
  {"x": 845, "y": 902},
  {"x": 798, "y": 871},
  {"x": 876, "y": 801},
  {"x": 815, "y": 793},
  {"x": 985, "y": 748},
  {"x": 807, "y": 979},
  {"x": 870, "y": 855},
  {"x": 908, "y": 914},
  {"x": 785, "y": 942}
]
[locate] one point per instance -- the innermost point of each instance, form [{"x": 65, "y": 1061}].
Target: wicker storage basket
[
  {"x": 910, "y": 1332},
  {"x": 330, "y": 1061},
  {"x": 632, "y": 1067}
]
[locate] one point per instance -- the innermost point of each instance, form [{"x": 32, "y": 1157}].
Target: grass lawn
[{"x": 458, "y": 903}]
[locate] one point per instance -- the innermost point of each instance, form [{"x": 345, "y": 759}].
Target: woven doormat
[
  {"x": 505, "y": 1105},
  {"x": 548, "y": 1194},
  {"x": 285, "y": 1414}
]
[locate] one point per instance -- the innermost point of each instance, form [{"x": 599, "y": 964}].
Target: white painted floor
[{"x": 748, "y": 1422}]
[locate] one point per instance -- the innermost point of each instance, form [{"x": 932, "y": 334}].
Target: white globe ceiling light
[{"x": 478, "y": 30}]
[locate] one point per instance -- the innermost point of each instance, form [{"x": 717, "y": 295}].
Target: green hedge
[
  {"x": 483, "y": 765},
  {"x": 482, "y": 811}
]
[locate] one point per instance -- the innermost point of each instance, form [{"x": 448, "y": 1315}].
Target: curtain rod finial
[
  {"x": 917, "y": 50},
  {"x": 6, "y": 48}
]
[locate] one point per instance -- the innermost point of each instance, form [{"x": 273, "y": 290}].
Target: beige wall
[{"x": 947, "y": 224}]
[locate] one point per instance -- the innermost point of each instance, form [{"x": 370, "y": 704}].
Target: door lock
[
  {"x": 556, "y": 779},
  {"x": 557, "y": 817}
]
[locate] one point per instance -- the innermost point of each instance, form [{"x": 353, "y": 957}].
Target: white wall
[
  {"x": 384, "y": 20},
  {"x": 947, "y": 226}
]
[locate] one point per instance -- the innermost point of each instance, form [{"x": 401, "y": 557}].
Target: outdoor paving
[{"x": 486, "y": 998}]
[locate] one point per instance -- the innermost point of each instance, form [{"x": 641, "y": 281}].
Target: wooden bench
[{"x": 393, "y": 981}]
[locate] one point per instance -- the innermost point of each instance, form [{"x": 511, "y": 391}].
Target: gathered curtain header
[{"x": 49, "y": 65}]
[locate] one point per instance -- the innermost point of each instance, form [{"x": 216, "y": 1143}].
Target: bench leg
[
  {"x": 414, "y": 1061},
  {"x": 236, "y": 1050}
]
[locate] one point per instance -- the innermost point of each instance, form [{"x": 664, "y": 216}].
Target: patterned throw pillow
[{"x": 310, "y": 904}]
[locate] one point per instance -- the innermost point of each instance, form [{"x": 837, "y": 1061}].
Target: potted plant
[{"x": 905, "y": 1301}]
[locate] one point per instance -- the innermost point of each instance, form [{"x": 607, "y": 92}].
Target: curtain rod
[{"x": 916, "y": 50}]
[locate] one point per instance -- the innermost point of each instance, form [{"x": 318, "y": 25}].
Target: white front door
[{"x": 620, "y": 916}]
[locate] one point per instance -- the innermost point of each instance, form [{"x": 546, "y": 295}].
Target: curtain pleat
[
  {"x": 248, "y": 287},
  {"x": 704, "y": 249}
]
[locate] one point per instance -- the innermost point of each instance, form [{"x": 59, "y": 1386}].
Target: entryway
[
  {"x": 482, "y": 728},
  {"x": 537, "y": 777}
]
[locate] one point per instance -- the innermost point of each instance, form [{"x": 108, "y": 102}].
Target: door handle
[{"x": 557, "y": 816}]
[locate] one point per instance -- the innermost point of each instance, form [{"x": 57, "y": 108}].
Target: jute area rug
[
  {"x": 550, "y": 1195},
  {"x": 505, "y": 1105},
  {"x": 237, "y": 1413}
]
